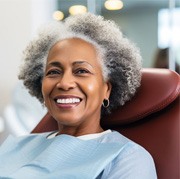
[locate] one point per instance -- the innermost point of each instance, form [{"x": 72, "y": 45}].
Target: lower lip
[{"x": 67, "y": 106}]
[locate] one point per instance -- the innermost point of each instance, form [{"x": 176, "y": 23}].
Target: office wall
[
  {"x": 141, "y": 26},
  {"x": 19, "y": 20},
  {"x": 15, "y": 31}
]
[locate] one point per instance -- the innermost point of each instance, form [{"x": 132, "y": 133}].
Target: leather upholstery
[{"x": 151, "y": 118}]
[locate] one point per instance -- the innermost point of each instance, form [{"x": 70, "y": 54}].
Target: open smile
[{"x": 67, "y": 101}]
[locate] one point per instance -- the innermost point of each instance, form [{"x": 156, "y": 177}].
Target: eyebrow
[
  {"x": 82, "y": 62},
  {"x": 58, "y": 64}
]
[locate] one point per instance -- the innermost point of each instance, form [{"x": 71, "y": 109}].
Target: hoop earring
[{"x": 105, "y": 103}]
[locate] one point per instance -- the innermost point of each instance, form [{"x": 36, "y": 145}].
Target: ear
[{"x": 108, "y": 90}]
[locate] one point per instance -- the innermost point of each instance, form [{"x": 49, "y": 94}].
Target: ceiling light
[
  {"x": 58, "y": 15},
  {"x": 77, "y": 9},
  {"x": 113, "y": 4}
]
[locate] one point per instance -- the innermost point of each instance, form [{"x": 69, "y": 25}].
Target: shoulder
[
  {"x": 133, "y": 161},
  {"x": 128, "y": 146},
  {"x": 20, "y": 141},
  {"x": 114, "y": 137}
]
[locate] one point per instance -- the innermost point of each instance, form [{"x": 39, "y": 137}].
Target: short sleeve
[{"x": 133, "y": 162}]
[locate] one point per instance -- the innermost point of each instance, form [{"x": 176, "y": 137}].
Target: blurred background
[{"x": 154, "y": 25}]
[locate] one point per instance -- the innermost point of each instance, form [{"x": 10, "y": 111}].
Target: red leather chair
[{"x": 151, "y": 118}]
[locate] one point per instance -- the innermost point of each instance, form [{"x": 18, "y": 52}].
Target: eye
[
  {"x": 53, "y": 72},
  {"x": 82, "y": 71}
]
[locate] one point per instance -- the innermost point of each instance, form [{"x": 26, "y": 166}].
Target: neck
[{"x": 77, "y": 131}]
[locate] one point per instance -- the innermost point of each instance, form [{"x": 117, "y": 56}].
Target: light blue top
[{"x": 111, "y": 156}]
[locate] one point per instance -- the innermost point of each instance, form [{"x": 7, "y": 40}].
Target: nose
[{"x": 66, "y": 82}]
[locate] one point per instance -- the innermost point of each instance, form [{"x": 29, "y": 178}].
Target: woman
[{"x": 80, "y": 69}]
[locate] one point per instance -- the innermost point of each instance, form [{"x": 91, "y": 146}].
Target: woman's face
[{"x": 73, "y": 87}]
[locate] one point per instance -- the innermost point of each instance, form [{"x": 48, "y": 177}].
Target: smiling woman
[
  {"x": 73, "y": 86},
  {"x": 81, "y": 69}
]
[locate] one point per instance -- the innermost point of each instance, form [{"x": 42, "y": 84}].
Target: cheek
[
  {"x": 90, "y": 88},
  {"x": 94, "y": 89},
  {"x": 46, "y": 87},
  {"x": 43, "y": 88}
]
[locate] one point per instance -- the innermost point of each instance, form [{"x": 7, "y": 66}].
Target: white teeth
[{"x": 68, "y": 101}]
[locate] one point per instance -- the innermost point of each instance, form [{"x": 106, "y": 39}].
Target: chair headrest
[{"x": 159, "y": 88}]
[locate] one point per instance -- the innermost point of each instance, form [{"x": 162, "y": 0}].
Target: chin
[{"x": 68, "y": 120}]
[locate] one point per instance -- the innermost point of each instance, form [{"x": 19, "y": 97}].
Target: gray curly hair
[{"x": 120, "y": 58}]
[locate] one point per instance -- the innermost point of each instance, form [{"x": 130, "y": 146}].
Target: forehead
[{"x": 73, "y": 49}]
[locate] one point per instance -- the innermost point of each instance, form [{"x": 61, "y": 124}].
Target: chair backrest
[{"x": 151, "y": 118}]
